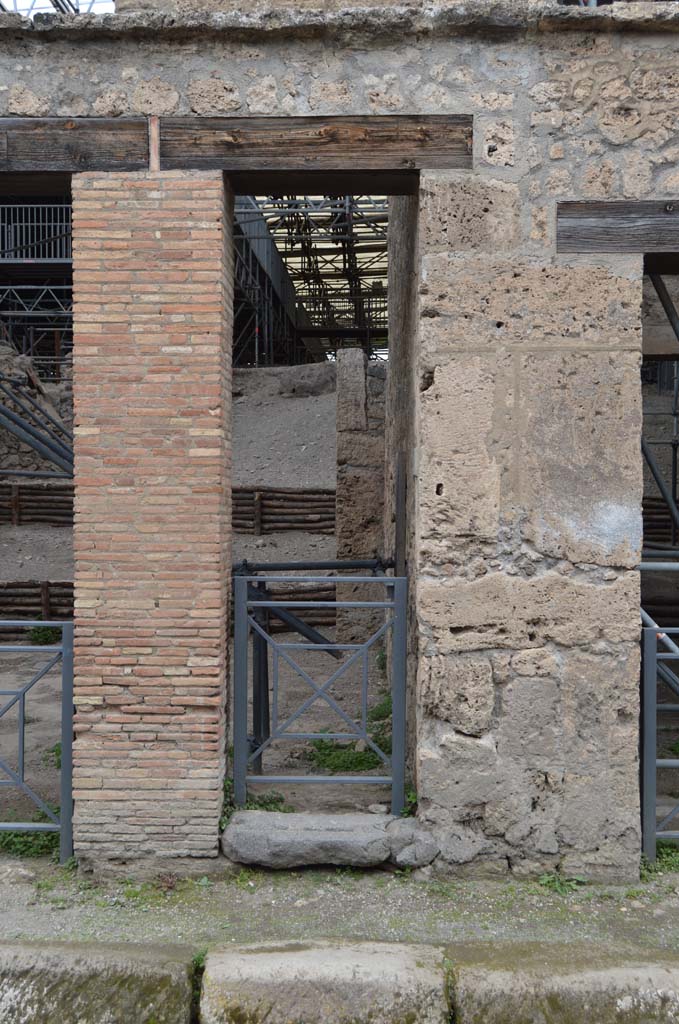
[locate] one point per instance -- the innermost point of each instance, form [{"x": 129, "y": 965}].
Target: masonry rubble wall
[
  {"x": 55, "y": 398},
  {"x": 526, "y": 474},
  {"x": 152, "y": 263},
  {"x": 400, "y": 447},
  {"x": 359, "y": 506}
]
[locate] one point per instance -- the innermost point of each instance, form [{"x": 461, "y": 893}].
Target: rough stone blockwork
[
  {"x": 360, "y": 481},
  {"x": 152, "y": 289},
  {"x": 529, "y": 524}
]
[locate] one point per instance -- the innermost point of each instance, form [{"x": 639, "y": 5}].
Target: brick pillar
[{"x": 152, "y": 262}]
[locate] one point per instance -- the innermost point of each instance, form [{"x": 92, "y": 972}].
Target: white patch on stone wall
[{"x": 607, "y": 524}]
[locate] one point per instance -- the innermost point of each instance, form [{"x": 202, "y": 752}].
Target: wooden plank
[
  {"x": 399, "y": 142},
  {"x": 325, "y": 183},
  {"x": 16, "y": 506},
  {"x": 74, "y": 144},
  {"x": 625, "y": 226}
]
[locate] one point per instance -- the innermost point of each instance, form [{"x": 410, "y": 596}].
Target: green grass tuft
[
  {"x": 44, "y": 636},
  {"x": 560, "y": 884},
  {"x": 667, "y": 861},
  {"x": 337, "y": 757},
  {"x": 265, "y": 802},
  {"x": 30, "y": 844},
  {"x": 332, "y": 756},
  {"x": 52, "y": 757}
]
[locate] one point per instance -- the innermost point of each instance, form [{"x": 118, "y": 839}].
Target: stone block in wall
[
  {"x": 580, "y": 478},
  {"x": 514, "y": 611},
  {"x": 359, "y": 513},
  {"x": 556, "y": 780},
  {"x": 360, "y": 450},
  {"x": 460, "y": 213},
  {"x": 352, "y": 397},
  {"x": 463, "y": 409},
  {"x": 481, "y": 302},
  {"x": 459, "y": 690}
]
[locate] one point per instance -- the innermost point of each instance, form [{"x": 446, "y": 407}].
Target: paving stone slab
[
  {"x": 561, "y": 985},
  {"x": 324, "y": 983},
  {"x": 49, "y": 983}
]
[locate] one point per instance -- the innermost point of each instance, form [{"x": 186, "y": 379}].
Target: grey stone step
[
  {"x": 46, "y": 983},
  {"x": 278, "y": 840},
  {"x": 326, "y": 983}
]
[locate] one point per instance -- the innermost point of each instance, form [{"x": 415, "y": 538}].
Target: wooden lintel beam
[
  {"x": 626, "y": 226},
  {"x": 50, "y": 144},
  {"x": 370, "y": 143},
  {"x": 357, "y": 154}
]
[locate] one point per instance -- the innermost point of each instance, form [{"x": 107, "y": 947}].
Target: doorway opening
[
  {"x": 320, "y": 354},
  {"x": 660, "y": 559}
]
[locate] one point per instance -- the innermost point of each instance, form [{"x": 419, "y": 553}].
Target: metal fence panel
[
  {"x": 660, "y": 657},
  {"x": 62, "y": 653},
  {"x": 253, "y": 601}
]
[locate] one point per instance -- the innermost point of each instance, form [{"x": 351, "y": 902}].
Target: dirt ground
[
  {"x": 284, "y": 427},
  {"x": 40, "y": 902},
  {"x": 43, "y": 733},
  {"x": 292, "y": 546},
  {"x": 36, "y": 553}
]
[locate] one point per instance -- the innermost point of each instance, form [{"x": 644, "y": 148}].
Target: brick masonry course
[{"x": 152, "y": 255}]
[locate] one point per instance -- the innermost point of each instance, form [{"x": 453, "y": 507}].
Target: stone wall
[
  {"x": 525, "y": 392},
  {"x": 400, "y": 447},
  {"x": 56, "y": 399},
  {"x": 152, "y": 360},
  {"x": 360, "y": 455},
  {"x": 360, "y": 480},
  {"x": 529, "y": 489}
]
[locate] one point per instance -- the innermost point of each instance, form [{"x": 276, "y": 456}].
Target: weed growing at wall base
[
  {"x": 667, "y": 861},
  {"x": 265, "y": 802},
  {"x": 30, "y": 844}
]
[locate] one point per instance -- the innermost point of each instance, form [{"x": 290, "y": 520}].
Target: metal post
[
  {"x": 261, "y": 725},
  {"x": 649, "y": 742},
  {"x": 240, "y": 691},
  {"x": 659, "y": 479},
  {"x": 66, "y": 812},
  {"x": 398, "y": 695},
  {"x": 401, "y": 537},
  {"x": 666, "y": 302}
]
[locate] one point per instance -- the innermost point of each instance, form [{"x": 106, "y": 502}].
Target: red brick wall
[{"x": 152, "y": 261}]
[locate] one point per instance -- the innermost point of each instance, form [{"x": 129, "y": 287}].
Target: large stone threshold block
[
  {"x": 277, "y": 840},
  {"x": 324, "y": 983}
]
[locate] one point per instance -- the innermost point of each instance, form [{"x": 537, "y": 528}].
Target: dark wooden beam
[
  {"x": 42, "y": 185},
  {"x": 324, "y": 183},
  {"x": 73, "y": 144},
  {"x": 627, "y": 226},
  {"x": 370, "y": 143},
  {"x": 664, "y": 263}
]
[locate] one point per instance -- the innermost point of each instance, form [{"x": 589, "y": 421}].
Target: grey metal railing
[
  {"x": 60, "y": 821},
  {"x": 660, "y": 652},
  {"x": 254, "y": 605},
  {"x": 37, "y": 232},
  {"x": 29, "y": 8}
]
